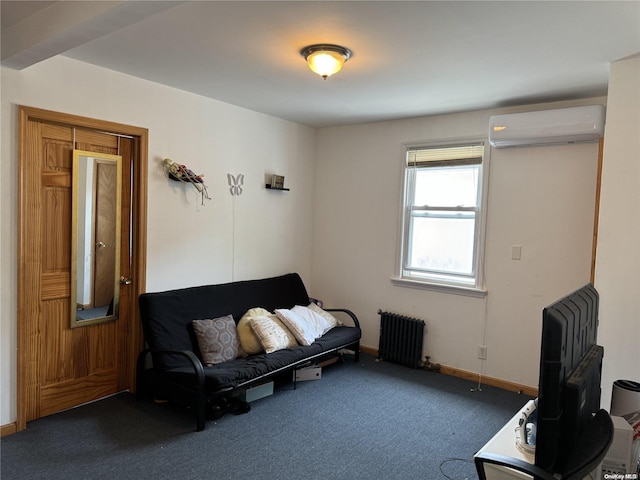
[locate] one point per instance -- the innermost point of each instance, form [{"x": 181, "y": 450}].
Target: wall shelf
[{"x": 273, "y": 188}]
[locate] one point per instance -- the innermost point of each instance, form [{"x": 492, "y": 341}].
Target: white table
[{"x": 504, "y": 443}]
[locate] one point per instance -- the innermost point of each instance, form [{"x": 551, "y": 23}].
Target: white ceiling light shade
[{"x": 326, "y": 59}]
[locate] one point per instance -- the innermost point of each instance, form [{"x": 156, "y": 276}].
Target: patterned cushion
[
  {"x": 217, "y": 339},
  {"x": 273, "y": 335},
  {"x": 249, "y": 342}
]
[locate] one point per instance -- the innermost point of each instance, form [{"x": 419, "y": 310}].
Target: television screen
[{"x": 569, "y": 331}]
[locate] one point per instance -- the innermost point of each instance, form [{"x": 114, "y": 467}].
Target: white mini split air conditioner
[{"x": 547, "y": 127}]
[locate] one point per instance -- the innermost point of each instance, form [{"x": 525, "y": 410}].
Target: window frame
[{"x": 443, "y": 281}]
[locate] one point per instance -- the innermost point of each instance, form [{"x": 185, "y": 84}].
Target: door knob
[
  {"x": 101, "y": 244},
  {"x": 125, "y": 281}
]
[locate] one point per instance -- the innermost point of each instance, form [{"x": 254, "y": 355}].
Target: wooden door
[
  {"x": 58, "y": 366},
  {"x": 103, "y": 269}
]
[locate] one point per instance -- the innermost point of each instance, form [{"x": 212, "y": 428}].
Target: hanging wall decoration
[
  {"x": 235, "y": 183},
  {"x": 180, "y": 173}
]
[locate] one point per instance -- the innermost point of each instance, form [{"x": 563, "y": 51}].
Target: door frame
[{"x": 138, "y": 237}]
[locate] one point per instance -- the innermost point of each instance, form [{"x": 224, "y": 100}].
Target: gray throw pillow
[{"x": 217, "y": 339}]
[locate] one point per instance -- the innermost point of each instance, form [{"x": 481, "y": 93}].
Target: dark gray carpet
[{"x": 359, "y": 421}]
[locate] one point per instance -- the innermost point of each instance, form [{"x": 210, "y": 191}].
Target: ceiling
[{"x": 409, "y": 59}]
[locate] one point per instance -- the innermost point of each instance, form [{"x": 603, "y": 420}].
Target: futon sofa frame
[{"x": 170, "y": 367}]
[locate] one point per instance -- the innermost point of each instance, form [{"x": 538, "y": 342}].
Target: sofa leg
[
  {"x": 200, "y": 420},
  {"x": 201, "y": 411}
]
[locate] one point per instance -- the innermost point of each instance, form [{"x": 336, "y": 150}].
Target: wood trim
[
  {"x": 38, "y": 114},
  {"x": 476, "y": 377},
  {"x": 139, "y": 268},
  {"x": 27, "y": 115},
  {"x": 493, "y": 381},
  {"x": 8, "y": 429},
  {"x": 24, "y": 284},
  {"x": 596, "y": 214},
  {"x": 369, "y": 350}
]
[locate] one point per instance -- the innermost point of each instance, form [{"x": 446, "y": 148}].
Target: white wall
[
  {"x": 618, "y": 255},
  {"x": 346, "y": 206},
  {"x": 257, "y": 234},
  {"x": 540, "y": 198}
]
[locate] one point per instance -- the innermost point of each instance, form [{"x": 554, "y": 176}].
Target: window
[{"x": 442, "y": 220}]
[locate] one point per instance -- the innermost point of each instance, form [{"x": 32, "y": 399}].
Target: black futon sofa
[{"x": 171, "y": 366}]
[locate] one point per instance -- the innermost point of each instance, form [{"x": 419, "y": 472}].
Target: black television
[{"x": 570, "y": 375}]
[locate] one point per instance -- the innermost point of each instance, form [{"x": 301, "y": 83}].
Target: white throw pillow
[
  {"x": 333, "y": 321},
  {"x": 305, "y": 324}
]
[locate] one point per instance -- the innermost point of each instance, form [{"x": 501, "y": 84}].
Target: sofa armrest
[
  {"x": 194, "y": 361},
  {"x": 356, "y": 322},
  {"x": 200, "y": 399}
]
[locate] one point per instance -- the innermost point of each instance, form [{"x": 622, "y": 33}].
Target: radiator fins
[{"x": 400, "y": 339}]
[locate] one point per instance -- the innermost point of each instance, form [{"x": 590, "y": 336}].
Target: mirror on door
[{"x": 95, "y": 239}]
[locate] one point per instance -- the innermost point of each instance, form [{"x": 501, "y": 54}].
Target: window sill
[{"x": 439, "y": 287}]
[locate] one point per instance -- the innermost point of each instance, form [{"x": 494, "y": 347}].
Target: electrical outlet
[{"x": 482, "y": 352}]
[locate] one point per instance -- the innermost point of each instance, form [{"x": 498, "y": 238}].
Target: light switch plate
[{"x": 516, "y": 252}]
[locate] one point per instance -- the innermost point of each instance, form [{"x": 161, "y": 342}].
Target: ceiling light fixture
[{"x": 325, "y": 59}]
